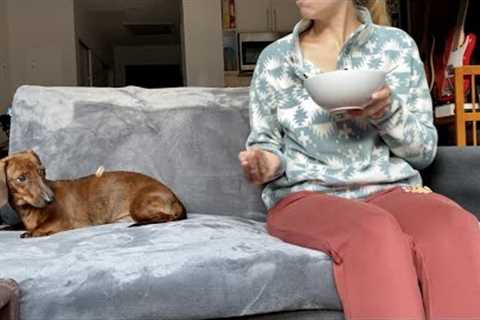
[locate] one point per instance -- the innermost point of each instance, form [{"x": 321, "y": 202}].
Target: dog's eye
[{"x": 21, "y": 178}]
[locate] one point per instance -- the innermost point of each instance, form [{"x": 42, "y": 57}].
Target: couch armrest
[
  {"x": 9, "y": 295},
  {"x": 455, "y": 173}
]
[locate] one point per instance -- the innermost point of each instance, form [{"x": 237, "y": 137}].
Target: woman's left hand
[{"x": 377, "y": 106}]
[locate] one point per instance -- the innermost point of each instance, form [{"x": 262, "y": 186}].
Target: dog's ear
[
  {"x": 34, "y": 154},
  {"x": 3, "y": 183}
]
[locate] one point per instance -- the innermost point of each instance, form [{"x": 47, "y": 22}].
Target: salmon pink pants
[{"x": 397, "y": 255}]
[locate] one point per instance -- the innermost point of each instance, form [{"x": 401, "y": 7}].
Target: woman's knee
[
  {"x": 462, "y": 219},
  {"x": 447, "y": 219}
]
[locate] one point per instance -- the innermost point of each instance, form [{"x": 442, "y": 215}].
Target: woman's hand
[
  {"x": 377, "y": 106},
  {"x": 259, "y": 166}
]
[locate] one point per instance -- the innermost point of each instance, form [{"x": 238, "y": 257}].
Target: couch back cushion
[
  {"x": 455, "y": 173},
  {"x": 188, "y": 138}
]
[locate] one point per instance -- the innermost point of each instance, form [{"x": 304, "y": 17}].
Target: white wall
[
  {"x": 202, "y": 43},
  {"x": 146, "y": 55},
  {"x": 5, "y": 91},
  {"x": 41, "y": 42}
]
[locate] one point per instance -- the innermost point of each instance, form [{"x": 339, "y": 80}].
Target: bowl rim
[{"x": 327, "y": 73}]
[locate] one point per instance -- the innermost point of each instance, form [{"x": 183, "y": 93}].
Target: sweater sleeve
[
  {"x": 407, "y": 126},
  {"x": 265, "y": 130}
]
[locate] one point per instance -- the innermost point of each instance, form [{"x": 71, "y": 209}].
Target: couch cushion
[
  {"x": 203, "y": 267},
  {"x": 189, "y": 138}
]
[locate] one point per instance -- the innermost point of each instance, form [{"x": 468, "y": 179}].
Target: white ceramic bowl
[{"x": 343, "y": 89}]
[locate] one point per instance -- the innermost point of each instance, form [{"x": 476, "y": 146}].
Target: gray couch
[{"x": 219, "y": 263}]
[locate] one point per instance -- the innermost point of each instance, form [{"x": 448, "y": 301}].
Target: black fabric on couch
[{"x": 455, "y": 173}]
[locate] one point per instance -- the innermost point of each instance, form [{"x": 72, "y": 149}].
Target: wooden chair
[{"x": 461, "y": 117}]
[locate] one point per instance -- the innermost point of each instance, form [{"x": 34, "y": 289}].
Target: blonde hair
[{"x": 378, "y": 10}]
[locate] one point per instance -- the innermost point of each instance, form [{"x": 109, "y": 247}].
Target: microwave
[{"x": 251, "y": 44}]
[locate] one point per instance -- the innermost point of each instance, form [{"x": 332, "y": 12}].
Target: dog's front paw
[{"x": 26, "y": 235}]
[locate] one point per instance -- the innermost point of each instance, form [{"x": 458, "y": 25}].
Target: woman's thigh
[
  {"x": 426, "y": 216},
  {"x": 330, "y": 223}
]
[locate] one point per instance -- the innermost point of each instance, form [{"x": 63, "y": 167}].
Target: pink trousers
[{"x": 397, "y": 255}]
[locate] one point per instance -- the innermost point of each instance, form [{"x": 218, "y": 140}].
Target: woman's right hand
[{"x": 259, "y": 166}]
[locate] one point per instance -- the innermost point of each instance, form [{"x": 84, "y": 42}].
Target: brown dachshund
[{"x": 46, "y": 207}]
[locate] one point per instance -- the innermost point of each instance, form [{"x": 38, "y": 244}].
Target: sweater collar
[{"x": 357, "y": 38}]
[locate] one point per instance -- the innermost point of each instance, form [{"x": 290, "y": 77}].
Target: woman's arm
[
  {"x": 265, "y": 131},
  {"x": 407, "y": 125}
]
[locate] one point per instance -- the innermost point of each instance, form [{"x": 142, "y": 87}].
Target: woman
[{"x": 351, "y": 187}]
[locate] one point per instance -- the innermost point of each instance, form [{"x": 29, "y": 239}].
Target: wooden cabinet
[
  {"x": 253, "y": 15},
  {"x": 266, "y": 15},
  {"x": 285, "y": 15},
  {"x": 233, "y": 79}
]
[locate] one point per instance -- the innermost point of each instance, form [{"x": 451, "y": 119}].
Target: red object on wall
[{"x": 231, "y": 10}]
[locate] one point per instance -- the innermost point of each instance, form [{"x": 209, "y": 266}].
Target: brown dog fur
[{"x": 47, "y": 207}]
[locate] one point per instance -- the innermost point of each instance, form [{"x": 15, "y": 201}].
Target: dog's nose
[{"x": 48, "y": 198}]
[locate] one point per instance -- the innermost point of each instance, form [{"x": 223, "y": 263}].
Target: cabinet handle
[
  {"x": 275, "y": 20},
  {"x": 268, "y": 20}
]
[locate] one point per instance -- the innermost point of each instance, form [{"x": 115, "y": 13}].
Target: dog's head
[{"x": 23, "y": 177}]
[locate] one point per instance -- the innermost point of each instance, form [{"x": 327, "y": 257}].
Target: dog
[{"x": 47, "y": 207}]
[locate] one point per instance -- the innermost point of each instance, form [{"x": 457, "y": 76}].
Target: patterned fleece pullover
[{"x": 350, "y": 158}]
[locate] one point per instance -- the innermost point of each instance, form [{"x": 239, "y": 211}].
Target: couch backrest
[
  {"x": 189, "y": 138},
  {"x": 455, "y": 173}
]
